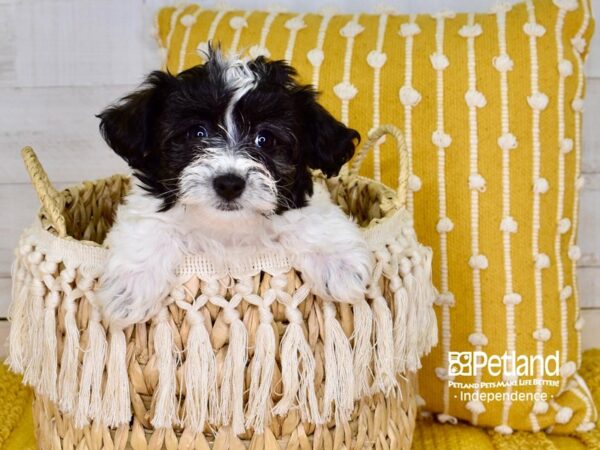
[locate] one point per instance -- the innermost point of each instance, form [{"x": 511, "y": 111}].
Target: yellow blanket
[{"x": 16, "y": 424}]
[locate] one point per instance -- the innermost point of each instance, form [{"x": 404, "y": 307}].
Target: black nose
[{"x": 229, "y": 186}]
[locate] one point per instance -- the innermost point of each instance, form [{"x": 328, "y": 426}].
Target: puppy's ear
[
  {"x": 329, "y": 143},
  {"x": 129, "y": 126}
]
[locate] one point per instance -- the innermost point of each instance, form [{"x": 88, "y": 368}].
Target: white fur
[{"x": 146, "y": 246}]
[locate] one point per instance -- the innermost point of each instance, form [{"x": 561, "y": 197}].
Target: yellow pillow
[{"x": 491, "y": 108}]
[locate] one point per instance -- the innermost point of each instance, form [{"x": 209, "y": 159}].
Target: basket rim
[{"x": 78, "y": 252}]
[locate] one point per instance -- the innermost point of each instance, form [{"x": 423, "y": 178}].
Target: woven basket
[{"x": 242, "y": 356}]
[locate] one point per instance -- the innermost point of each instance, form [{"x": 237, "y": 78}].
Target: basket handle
[
  {"x": 48, "y": 195},
  {"x": 402, "y": 153}
]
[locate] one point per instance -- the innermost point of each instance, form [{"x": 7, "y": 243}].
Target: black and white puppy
[{"x": 222, "y": 154}]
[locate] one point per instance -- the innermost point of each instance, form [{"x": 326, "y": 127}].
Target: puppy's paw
[
  {"x": 340, "y": 277},
  {"x": 128, "y": 298}
]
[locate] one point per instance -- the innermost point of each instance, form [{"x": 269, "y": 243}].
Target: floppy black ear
[
  {"x": 330, "y": 143},
  {"x": 129, "y": 126}
]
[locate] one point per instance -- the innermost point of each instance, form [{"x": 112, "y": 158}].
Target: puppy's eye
[
  {"x": 264, "y": 139},
  {"x": 198, "y": 131}
]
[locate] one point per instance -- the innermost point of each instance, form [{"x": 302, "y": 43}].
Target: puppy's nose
[{"x": 229, "y": 186}]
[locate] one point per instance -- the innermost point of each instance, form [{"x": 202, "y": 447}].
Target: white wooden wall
[{"x": 62, "y": 61}]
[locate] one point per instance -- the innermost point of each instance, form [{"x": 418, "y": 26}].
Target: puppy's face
[{"x": 230, "y": 137}]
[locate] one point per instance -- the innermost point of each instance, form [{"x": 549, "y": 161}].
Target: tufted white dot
[
  {"x": 475, "y": 406},
  {"x": 444, "y": 225},
  {"x": 542, "y": 261},
  {"x": 478, "y": 339},
  {"x": 478, "y": 262},
  {"x": 345, "y": 90},
  {"x": 187, "y": 20},
  {"x": 441, "y": 139},
  {"x": 503, "y": 63},
  {"x": 315, "y": 57},
  {"x": 566, "y": 293},
  {"x": 507, "y": 141},
  {"x": 238, "y": 22},
  {"x": 577, "y": 104},
  {"x": 579, "y": 44},
  {"x": 503, "y": 429},
  {"x": 566, "y": 145},
  {"x": 565, "y": 68},
  {"x": 542, "y": 334},
  {"x": 509, "y": 225},
  {"x": 580, "y": 182},
  {"x": 295, "y": 23},
  {"x": 439, "y": 61},
  {"x": 351, "y": 29},
  {"x": 534, "y": 29},
  {"x": 511, "y": 299},
  {"x": 477, "y": 182},
  {"x": 538, "y": 101},
  {"x": 376, "y": 59},
  {"x": 568, "y": 369},
  {"x": 445, "y": 298},
  {"x": 567, "y": 5},
  {"x": 579, "y": 323},
  {"x": 475, "y": 99},
  {"x": 409, "y": 96},
  {"x": 470, "y": 31},
  {"x": 409, "y": 29},
  {"x": 574, "y": 253},
  {"x": 541, "y": 186},
  {"x": 563, "y": 415},
  {"x": 564, "y": 225},
  {"x": 414, "y": 183},
  {"x": 540, "y": 407}
]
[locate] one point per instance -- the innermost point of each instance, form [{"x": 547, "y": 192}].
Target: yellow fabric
[
  {"x": 456, "y": 84},
  {"x": 16, "y": 427}
]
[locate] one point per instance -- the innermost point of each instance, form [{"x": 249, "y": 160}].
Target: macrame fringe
[
  {"x": 415, "y": 323},
  {"x": 89, "y": 402},
  {"x": 401, "y": 327},
  {"x": 232, "y": 385},
  {"x": 261, "y": 374},
  {"x": 199, "y": 373},
  {"x": 297, "y": 371},
  {"x": 165, "y": 408},
  {"x": 339, "y": 380},
  {"x": 385, "y": 374},
  {"x": 363, "y": 327},
  {"x": 35, "y": 311},
  {"x": 48, "y": 377},
  {"x": 116, "y": 405},
  {"x": 67, "y": 380},
  {"x": 19, "y": 321}
]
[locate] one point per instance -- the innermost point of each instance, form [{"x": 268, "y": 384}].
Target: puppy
[{"x": 222, "y": 155}]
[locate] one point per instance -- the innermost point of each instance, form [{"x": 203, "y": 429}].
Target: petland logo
[{"x": 508, "y": 365}]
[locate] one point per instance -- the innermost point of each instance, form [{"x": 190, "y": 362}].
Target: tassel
[
  {"x": 116, "y": 405},
  {"x": 67, "y": 380},
  {"x": 48, "y": 376},
  {"x": 232, "y": 385},
  {"x": 19, "y": 321},
  {"x": 200, "y": 368},
  {"x": 414, "y": 323},
  {"x": 165, "y": 408},
  {"x": 430, "y": 330},
  {"x": 385, "y": 379},
  {"x": 339, "y": 379},
  {"x": 297, "y": 363},
  {"x": 262, "y": 370},
  {"x": 363, "y": 327},
  {"x": 401, "y": 306},
  {"x": 89, "y": 402},
  {"x": 35, "y": 311}
]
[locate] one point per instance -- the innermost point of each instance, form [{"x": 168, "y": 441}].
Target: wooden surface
[{"x": 62, "y": 61}]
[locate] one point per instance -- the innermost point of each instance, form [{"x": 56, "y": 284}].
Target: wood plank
[
  {"x": 590, "y": 335},
  {"x": 60, "y": 124},
  {"x": 589, "y": 287}
]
